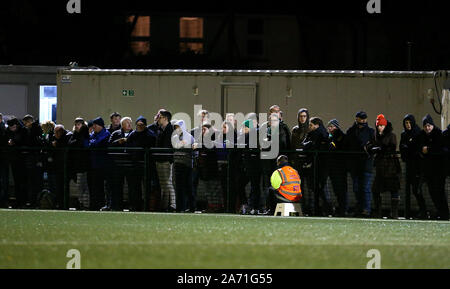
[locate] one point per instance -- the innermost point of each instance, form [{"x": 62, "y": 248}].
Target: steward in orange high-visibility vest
[
  {"x": 290, "y": 186},
  {"x": 286, "y": 181}
]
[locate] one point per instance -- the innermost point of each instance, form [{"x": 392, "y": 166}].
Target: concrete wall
[{"x": 91, "y": 93}]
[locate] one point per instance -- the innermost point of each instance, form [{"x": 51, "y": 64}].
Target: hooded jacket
[
  {"x": 141, "y": 139},
  {"x": 431, "y": 163},
  {"x": 182, "y": 139},
  {"x": 408, "y": 140},
  {"x": 300, "y": 131},
  {"x": 99, "y": 158}
]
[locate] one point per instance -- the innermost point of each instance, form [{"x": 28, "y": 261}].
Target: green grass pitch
[{"x": 41, "y": 239}]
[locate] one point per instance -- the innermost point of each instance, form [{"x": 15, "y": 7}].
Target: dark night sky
[{"x": 43, "y": 33}]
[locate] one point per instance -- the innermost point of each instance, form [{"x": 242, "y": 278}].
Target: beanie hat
[
  {"x": 13, "y": 121},
  {"x": 90, "y": 123},
  {"x": 99, "y": 121},
  {"x": 427, "y": 120},
  {"x": 334, "y": 122},
  {"x": 361, "y": 114},
  {"x": 248, "y": 123},
  {"x": 381, "y": 120},
  {"x": 141, "y": 118}
]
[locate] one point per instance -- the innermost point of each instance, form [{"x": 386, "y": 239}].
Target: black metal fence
[{"x": 152, "y": 179}]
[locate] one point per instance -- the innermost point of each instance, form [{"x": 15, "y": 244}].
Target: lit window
[
  {"x": 140, "y": 36},
  {"x": 191, "y": 34},
  {"x": 47, "y": 103}
]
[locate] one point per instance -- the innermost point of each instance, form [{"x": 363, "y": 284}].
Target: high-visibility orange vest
[{"x": 290, "y": 187}]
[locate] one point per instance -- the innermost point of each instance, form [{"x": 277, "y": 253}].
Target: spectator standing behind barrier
[
  {"x": 48, "y": 155},
  {"x": 336, "y": 166},
  {"x": 164, "y": 162},
  {"x": 60, "y": 141},
  {"x": 446, "y": 137},
  {"x": 284, "y": 143},
  {"x": 115, "y": 124},
  {"x": 155, "y": 187},
  {"x": 251, "y": 167},
  {"x": 229, "y": 164},
  {"x": 79, "y": 162},
  {"x": 317, "y": 140},
  {"x": 4, "y": 166},
  {"x": 141, "y": 137},
  {"x": 410, "y": 155},
  {"x": 387, "y": 166},
  {"x": 17, "y": 135},
  {"x": 431, "y": 153},
  {"x": 361, "y": 164},
  {"x": 98, "y": 141},
  {"x": 286, "y": 184},
  {"x": 115, "y": 119},
  {"x": 33, "y": 162},
  {"x": 298, "y": 135},
  {"x": 122, "y": 168},
  {"x": 208, "y": 169},
  {"x": 196, "y": 132},
  {"x": 182, "y": 166}
]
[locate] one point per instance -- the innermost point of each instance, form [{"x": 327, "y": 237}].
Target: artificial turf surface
[{"x": 41, "y": 239}]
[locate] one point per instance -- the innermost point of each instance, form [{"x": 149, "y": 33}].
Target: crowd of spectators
[{"x": 101, "y": 159}]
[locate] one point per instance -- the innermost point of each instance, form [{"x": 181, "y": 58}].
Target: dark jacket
[
  {"x": 207, "y": 164},
  {"x": 317, "y": 140},
  {"x": 112, "y": 129},
  {"x": 34, "y": 135},
  {"x": 285, "y": 136},
  {"x": 143, "y": 139},
  {"x": 432, "y": 162},
  {"x": 446, "y": 144},
  {"x": 153, "y": 127},
  {"x": 356, "y": 141},
  {"x": 386, "y": 162},
  {"x": 79, "y": 159},
  {"x": 299, "y": 132},
  {"x": 116, "y": 135},
  {"x": 99, "y": 158},
  {"x": 408, "y": 141},
  {"x": 3, "y": 136},
  {"x": 61, "y": 143},
  {"x": 336, "y": 162},
  {"x": 250, "y": 156},
  {"x": 120, "y": 159},
  {"x": 164, "y": 140},
  {"x": 19, "y": 139}
]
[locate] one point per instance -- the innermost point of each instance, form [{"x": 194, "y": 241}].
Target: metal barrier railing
[{"x": 226, "y": 172}]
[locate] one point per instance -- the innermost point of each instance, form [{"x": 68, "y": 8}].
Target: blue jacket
[{"x": 99, "y": 158}]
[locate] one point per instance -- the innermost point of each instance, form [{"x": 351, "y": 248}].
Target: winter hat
[
  {"x": 427, "y": 120},
  {"x": 361, "y": 114},
  {"x": 381, "y": 120},
  {"x": 248, "y": 123},
  {"x": 99, "y": 121},
  {"x": 90, "y": 123},
  {"x": 141, "y": 118},
  {"x": 13, "y": 121},
  {"x": 334, "y": 122}
]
